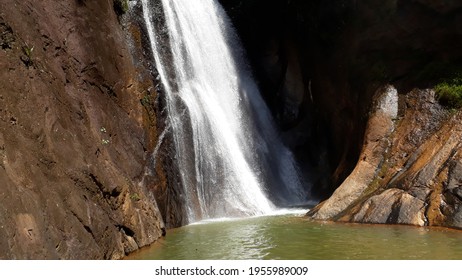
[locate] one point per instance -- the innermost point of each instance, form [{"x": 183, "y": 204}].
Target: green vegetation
[
  {"x": 449, "y": 93},
  {"x": 26, "y": 58},
  {"x": 121, "y": 6},
  {"x": 146, "y": 101},
  {"x": 135, "y": 197}
]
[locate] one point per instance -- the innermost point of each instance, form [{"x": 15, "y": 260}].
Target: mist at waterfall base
[{"x": 229, "y": 155}]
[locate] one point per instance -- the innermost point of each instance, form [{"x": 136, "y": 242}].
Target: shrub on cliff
[
  {"x": 121, "y": 6},
  {"x": 449, "y": 93},
  {"x": 26, "y": 57}
]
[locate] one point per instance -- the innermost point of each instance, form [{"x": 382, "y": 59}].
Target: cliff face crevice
[
  {"x": 75, "y": 140},
  {"x": 321, "y": 65}
]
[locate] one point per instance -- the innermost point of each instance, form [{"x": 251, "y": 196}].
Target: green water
[{"x": 294, "y": 237}]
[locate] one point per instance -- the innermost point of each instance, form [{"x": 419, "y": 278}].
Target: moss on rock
[{"x": 121, "y": 6}]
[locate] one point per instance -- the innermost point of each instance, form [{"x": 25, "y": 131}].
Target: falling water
[{"x": 231, "y": 160}]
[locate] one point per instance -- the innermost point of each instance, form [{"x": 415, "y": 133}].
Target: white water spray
[{"x": 227, "y": 149}]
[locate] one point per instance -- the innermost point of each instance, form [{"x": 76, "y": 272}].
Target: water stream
[{"x": 228, "y": 151}]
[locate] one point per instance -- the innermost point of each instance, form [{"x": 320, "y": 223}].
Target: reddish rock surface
[
  {"x": 415, "y": 177},
  {"x": 75, "y": 140}
]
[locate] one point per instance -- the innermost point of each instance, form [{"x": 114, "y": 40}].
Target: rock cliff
[
  {"x": 408, "y": 169},
  {"x": 77, "y": 131}
]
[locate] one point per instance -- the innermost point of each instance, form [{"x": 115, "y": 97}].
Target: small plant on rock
[
  {"x": 135, "y": 197},
  {"x": 26, "y": 57},
  {"x": 121, "y": 7},
  {"x": 449, "y": 93}
]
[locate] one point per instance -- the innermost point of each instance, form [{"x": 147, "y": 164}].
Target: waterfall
[{"x": 230, "y": 157}]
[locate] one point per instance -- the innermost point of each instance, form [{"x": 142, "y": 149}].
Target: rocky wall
[{"x": 77, "y": 133}]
